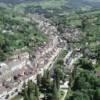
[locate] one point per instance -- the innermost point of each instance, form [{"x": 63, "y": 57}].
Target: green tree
[
  {"x": 25, "y": 94},
  {"x": 2, "y": 40},
  {"x": 55, "y": 93},
  {"x": 60, "y": 62},
  {"x": 39, "y": 80},
  {"x": 36, "y": 92},
  {"x": 97, "y": 51},
  {"x": 58, "y": 75},
  {"x": 32, "y": 97},
  {"x": 97, "y": 94},
  {"x": 45, "y": 82},
  {"x": 79, "y": 96},
  {"x": 85, "y": 64},
  {"x": 30, "y": 87},
  {"x": 84, "y": 23}
]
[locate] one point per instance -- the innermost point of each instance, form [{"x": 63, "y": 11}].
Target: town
[
  {"x": 20, "y": 68},
  {"x": 49, "y": 53}
]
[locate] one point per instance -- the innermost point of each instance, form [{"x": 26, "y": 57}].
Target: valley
[{"x": 49, "y": 50}]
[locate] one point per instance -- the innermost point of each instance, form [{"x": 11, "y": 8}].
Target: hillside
[
  {"x": 17, "y": 32},
  {"x": 66, "y": 5}
]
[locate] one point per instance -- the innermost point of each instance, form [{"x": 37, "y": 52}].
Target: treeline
[{"x": 14, "y": 2}]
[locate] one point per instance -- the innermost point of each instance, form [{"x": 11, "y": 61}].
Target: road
[{"x": 69, "y": 62}]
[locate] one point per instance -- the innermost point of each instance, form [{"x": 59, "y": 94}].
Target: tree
[
  {"x": 32, "y": 97},
  {"x": 3, "y": 56},
  {"x": 85, "y": 64},
  {"x": 55, "y": 95},
  {"x": 97, "y": 94},
  {"x": 97, "y": 82},
  {"x": 36, "y": 92},
  {"x": 25, "y": 94},
  {"x": 84, "y": 23},
  {"x": 79, "y": 83},
  {"x": 58, "y": 75},
  {"x": 48, "y": 75},
  {"x": 39, "y": 80},
  {"x": 60, "y": 62},
  {"x": 45, "y": 82},
  {"x": 2, "y": 40},
  {"x": 77, "y": 95},
  {"x": 97, "y": 52},
  {"x": 30, "y": 88}
]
